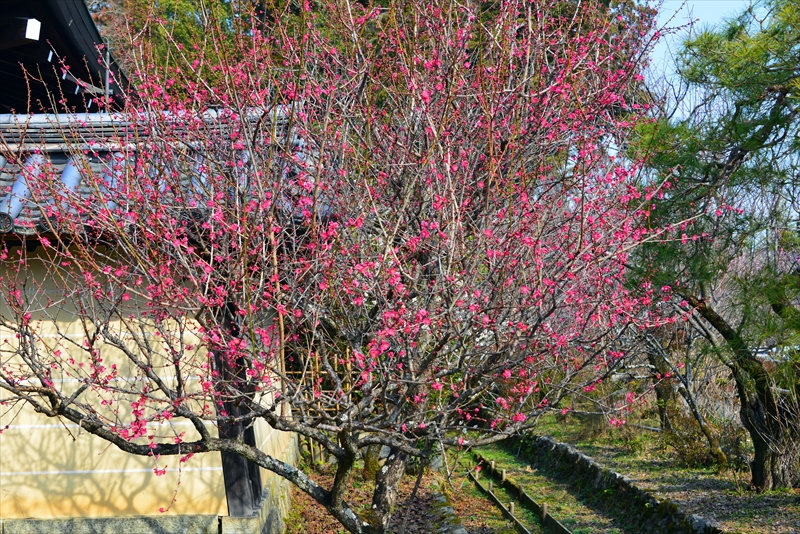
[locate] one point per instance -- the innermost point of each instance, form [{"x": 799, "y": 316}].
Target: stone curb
[
  {"x": 446, "y": 516},
  {"x": 189, "y": 524}
]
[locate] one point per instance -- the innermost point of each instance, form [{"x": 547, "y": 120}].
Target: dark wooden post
[{"x": 242, "y": 477}]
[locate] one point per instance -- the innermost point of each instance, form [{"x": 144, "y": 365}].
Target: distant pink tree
[{"x": 395, "y": 226}]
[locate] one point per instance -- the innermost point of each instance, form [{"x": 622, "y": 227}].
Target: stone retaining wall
[{"x": 648, "y": 514}]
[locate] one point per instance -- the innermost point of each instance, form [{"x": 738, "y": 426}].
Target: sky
[{"x": 703, "y": 12}]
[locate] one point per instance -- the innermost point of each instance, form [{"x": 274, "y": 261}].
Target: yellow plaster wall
[
  {"x": 47, "y": 471},
  {"x": 50, "y": 469}
]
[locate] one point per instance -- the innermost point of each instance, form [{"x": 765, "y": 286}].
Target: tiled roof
[
  {"x": 33, "y": 141},
  {"x": 52, "y": 142}
]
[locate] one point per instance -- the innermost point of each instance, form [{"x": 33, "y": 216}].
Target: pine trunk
[
  {"x": 776, "y": 463},
  {"x": 773, "y": 421}
]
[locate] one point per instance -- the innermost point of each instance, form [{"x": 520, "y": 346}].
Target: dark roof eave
[
  {"x": 84, "y": 35},
  {"x": 68, "y": 37}
]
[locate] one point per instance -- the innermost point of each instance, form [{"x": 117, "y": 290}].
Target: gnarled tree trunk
[
  {"x": 385, "y": 497},
  {"x": 773, "y": 427},
  {"x": 771, "y": 421}
]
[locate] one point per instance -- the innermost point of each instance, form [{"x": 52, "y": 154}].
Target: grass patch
[
  {"x": 572, "y": 507},
  {"x": 654, "y": 466},
  {"x": 476, "y": 512}
]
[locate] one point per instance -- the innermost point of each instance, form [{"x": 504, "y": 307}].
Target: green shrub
[{"x": 687, "y": 441}]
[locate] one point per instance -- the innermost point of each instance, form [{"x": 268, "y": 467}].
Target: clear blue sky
[{"x": 703, "y": 12}]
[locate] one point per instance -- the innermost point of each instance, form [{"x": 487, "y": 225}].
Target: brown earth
[{"x": 476, "y": 513}]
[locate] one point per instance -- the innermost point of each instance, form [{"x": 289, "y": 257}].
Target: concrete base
[{"x": 193, "y": 524}]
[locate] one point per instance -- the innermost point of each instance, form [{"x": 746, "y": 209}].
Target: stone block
[{"x": 187, "y": 524}]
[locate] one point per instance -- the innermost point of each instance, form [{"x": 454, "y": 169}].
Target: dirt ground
[
  {"x": 477, "y": 514},
  {"x": 309, "y": 517}
]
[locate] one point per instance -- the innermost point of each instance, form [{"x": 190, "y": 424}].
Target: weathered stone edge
[
  {"x": 658, "y": 516},
  {"x": 189, "y": 524},
  {"x": 445, "y": 515}
]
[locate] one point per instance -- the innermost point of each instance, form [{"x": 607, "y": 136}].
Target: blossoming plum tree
[{"x": 395, "y": 226}]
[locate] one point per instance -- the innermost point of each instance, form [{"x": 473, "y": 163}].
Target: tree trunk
[
  {"x": 663, "y": 389},
  {"x": 656, "y": 355},
  {"x": 242, "y": 477},
  {"x": 371, "y": 462},
  {"x": 385, "y": 497},
  {"x": 713, "y": 443},
  {"x": 776, "y": 463},
  {"x": 771, "y": 421}
]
